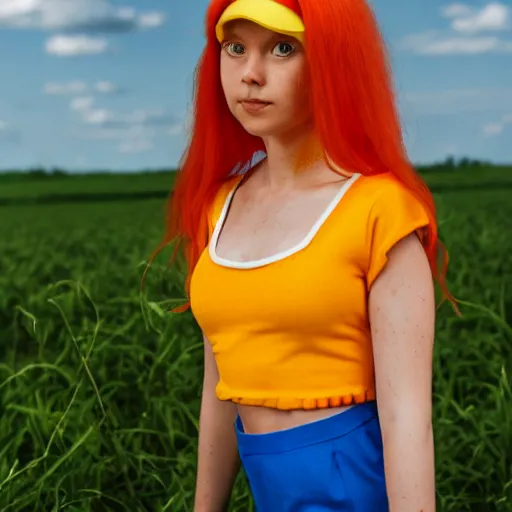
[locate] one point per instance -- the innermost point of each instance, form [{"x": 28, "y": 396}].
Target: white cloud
[
  {"x": 126, "y": 13},
  {"x": 80, "y": 87},
  {"x": 134, "y": 131},
  {"x": 457, "y": 11},
  {"x": 102, "y": 133},
  {"x": 105, "y": 117},
  {"x": 462, "y": 38},
  {"x": 105, "y": 87},
  {"x": 75, "y": 87},
  {"x": 132, "y": 139},
  {"x": 82, "y": 103},
  {"x": 75, "y": 15},
  {"x": 147, "y": 117},
  {"x": 431, "y": 43},
  {"x": 85, "y": 107},
  {"x": 135, "y": 145},
  {"x": 100, "y": 116},
  {"x": 151, "y": 19},
  {"x": 493, "y": 129},
  {"x": 72, "y": 46},
  {"x": 76, "y": 20},
  {"x": 491, "y": 17},
  {"x": 455, "y": 101}
]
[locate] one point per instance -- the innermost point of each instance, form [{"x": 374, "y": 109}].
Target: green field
[
  {"x": 24, "y": 186},
  {"x": 21, "y": 187},
  {"x": 100, "y": 390}
]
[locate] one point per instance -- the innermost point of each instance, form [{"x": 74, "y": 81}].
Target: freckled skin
[
  {"x": 401, "y": 301},
  {"x": 402, "y": 323},
  {"x": 265, "y": 219}
]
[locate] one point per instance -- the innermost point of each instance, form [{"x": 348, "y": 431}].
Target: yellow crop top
[{"x": 291, "y": 331}]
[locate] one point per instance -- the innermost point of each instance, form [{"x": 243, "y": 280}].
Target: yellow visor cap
[{"x": 267, "y": 13}]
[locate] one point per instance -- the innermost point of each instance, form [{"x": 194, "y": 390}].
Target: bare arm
[
  {"x": 402, "y": 316},
  {"x": 218, "y": 461}
]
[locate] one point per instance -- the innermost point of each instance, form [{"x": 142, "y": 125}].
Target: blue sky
[{"x": 106, "y": 84}]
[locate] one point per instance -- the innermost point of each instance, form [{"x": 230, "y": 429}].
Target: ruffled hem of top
[{"x": 307, "y": 403}]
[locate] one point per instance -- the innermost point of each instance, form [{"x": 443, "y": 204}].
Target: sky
[{"x": 107, "y": 84}]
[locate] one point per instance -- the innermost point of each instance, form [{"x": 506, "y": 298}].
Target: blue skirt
[{"x": 333, "y": 464}]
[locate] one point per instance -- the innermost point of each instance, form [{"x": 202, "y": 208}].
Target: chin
[
  {"x": 259, "y": 127},
  {"x": 257, "y": 132}
]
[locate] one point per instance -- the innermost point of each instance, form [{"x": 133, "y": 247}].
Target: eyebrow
[{"x": 230, "y": 33}]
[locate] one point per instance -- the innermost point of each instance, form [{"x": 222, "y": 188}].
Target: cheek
[
  {"x": 296, "y": 95},
  {"x": 227, "y": 80}
]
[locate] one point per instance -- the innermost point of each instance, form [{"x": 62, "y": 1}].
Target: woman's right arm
[{"x": 218, "y": 460}]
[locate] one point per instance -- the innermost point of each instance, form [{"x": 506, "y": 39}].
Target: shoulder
[
  {"x": 391, "y": 212},
  {"x": 384, "y": 196},
  {"x": 382, "y": 188}
]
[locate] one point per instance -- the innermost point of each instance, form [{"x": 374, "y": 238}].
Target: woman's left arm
[{"x": 402, "y": 319}]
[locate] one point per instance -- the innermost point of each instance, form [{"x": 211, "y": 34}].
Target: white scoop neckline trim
[{"x": 282, "y": 254}]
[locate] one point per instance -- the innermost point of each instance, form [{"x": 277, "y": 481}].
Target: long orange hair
[{"x": 355, "y": 117}]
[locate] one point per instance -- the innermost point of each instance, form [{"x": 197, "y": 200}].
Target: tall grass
[{"x": 100, "y": 389}]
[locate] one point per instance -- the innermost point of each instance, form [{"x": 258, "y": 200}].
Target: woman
[{"x": 310, "y": 269}]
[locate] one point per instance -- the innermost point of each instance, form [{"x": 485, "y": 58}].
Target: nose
[{"x": 254, "y": 71}]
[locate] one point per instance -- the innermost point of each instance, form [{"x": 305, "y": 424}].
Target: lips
[{"x": 254, "y": 105}]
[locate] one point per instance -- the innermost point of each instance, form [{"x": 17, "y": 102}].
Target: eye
[
  {"x": 283, "y": 49},
  {"x": 234, "y": 49}
]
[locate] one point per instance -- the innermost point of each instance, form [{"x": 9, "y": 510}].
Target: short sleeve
[{"x": 395, "y": 213}]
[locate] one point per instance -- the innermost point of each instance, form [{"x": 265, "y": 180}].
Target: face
[{"x": 264, "y": 78}]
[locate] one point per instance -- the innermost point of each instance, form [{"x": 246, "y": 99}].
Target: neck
[{"x": 288, "y": 158}]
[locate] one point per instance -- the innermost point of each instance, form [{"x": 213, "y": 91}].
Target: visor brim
[{"x": 267, "y": 13}]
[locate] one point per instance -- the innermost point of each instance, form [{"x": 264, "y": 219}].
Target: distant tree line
[
  {"x": 40, "y": 173},
  {"x": 451, "y": 164}
]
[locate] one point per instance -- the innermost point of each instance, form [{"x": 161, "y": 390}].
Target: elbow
[
  {"x": 403, "y": 417},
  {"x": 406, "y": 426}
]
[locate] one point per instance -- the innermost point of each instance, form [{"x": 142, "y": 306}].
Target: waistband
[{"x": 325, "y": 429}]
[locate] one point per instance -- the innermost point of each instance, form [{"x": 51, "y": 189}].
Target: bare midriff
[{"x": 263, "y": 420}]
